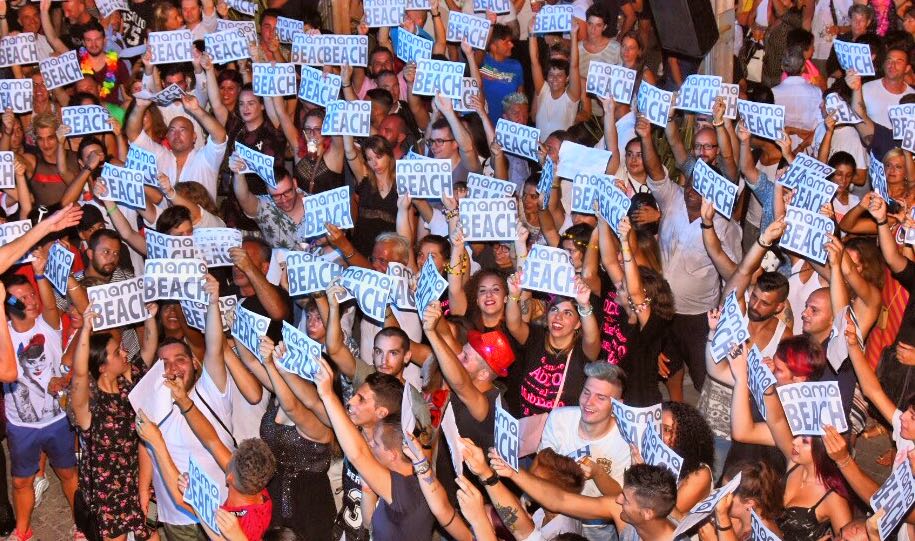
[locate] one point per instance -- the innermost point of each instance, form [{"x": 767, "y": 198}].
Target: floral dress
[{"x": 108, "y": 471}]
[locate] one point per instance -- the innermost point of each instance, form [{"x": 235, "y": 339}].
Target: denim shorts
[{"x": 26, "y": 444}]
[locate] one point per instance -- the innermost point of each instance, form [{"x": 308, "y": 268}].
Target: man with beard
[
  {"x": 76, "y": 19},
  {"x": 96, "y": 58},
  {"x": 365, "y": 79}
]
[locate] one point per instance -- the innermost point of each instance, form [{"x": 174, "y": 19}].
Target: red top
[{"x": 254, "y": 518}]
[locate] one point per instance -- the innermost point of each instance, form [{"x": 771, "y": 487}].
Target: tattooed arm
[{"x": 503, "y": 500}]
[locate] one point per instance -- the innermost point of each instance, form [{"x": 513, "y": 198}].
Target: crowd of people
[{"x": 331, "y": 455}]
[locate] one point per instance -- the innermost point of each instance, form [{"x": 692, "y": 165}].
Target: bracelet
[
  {"x": 350, "y": 157},
  {"x": 556, "y": 186},
  {"x": 882, "y": 223},
  {"x": 189, "y": 408},
  {"x": 349, "y": 255},
  {"x": 39, "y": 277},
  {"x": 720, "y": 528},
  {"x": 515, "y": 299},
  {"x": 422, "y": 469},
  {"x": 718, "y": 124},
  {"x": 456, "y": 270},
  {"x": 704, "y": 225},
  {"x": 434, "y": 16},
  {"x": 489, "y": 481},
  {"x": 761, "y": 244},
  {"x": 627, "y": 260},
  {"x": 585, "y": 312},
  {"x": 453, "y": 510},
  {"x": 347, "y": 86},
  {"x": 111, "y": 210},
  {"x": 451, "y": 213},
  {"x": 74, "y": 288},
  {"x": 770, "y": 392},
  {"x": 420, "y": 461},
  {"x": 845, "y": 462}
]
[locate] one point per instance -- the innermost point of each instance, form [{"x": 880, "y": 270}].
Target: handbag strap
[
  {"x": 218, "y": 420},
  {"x": 562, "y": 383}
]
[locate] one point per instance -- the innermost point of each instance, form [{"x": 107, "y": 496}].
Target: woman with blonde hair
[{"x": 166, "y": 17}]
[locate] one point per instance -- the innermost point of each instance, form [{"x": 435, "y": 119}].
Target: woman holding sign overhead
[
  {"x": 103, "y": 376},
  {"x": 376, "y": 191}
]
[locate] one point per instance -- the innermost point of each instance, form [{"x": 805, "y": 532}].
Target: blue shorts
[{"x": 26, "y": 445}]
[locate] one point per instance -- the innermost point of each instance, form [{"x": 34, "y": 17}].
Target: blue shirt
[{"x": 499, "y": 80}]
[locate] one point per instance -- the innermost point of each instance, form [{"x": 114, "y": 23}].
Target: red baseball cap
[{"x": 495, "y": 349}]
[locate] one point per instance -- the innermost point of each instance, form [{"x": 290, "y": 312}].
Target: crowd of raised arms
[{"x": 519, "y": 274}]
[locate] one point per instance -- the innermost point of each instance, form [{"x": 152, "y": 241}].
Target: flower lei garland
[{"x": 111, "y": 69}]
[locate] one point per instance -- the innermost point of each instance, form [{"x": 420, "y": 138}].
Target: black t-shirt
[
  {"x": 641, "y": 360},
  {"x": 407, "y": 516},
  {"x": 536, "y": 375},
  {"x": 349, "y": 518},
  {"x": 275, "y": 330},
  {"x": 136, "y": 22}
]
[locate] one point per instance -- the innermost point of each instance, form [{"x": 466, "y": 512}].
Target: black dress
[{"x": 302, "y": 498}]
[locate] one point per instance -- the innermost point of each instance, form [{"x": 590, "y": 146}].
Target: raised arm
[
  {"x": 213, "y": 361},
  {"x": 877, "y": 208},
  {"x": 747, "y": 165},
  {"x": 434, "y": 492},
  {"x": 740, "y": 280},
  {"x": 133, "y": 126},
  {"x": 469, "y": 156},
  {"x": 47, "y": 25},
  {"x": 307, "y": 423},
  {"x": 536, "y": 68},
  {"x": 336, "y": 349},
  {"x": 207, "y": 121},
  {"x": 649, "y": 153},
  {"x": 49, "y": 309},
  {"x": 453, "y": 371},
  {"x": 633, "y": 278},
  {"x": 269, "y": 296},
  {"x": 219, "y": 110},
  {"x": 743, "y": 428},
  {"x": 199, "y": 424},
  {"x": 246, "y": 200},
  {"x": 518, "y": 328},
  {"x": 79, "y": 384},
  {"x": 611, "y": 134},
  {"x": 355, "y": 159},
  {"x": 672, "y": 130},
  {"x": 504, "y": 501}
]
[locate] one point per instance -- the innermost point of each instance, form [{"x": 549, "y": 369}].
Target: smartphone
[{"x": 152, "y": 515}]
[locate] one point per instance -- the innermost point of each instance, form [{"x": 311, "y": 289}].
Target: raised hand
[{"x": 432, "y": 316}]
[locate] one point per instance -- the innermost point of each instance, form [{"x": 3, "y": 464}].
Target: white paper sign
[
  {"x": 243, "y": 6},
  {"x": 379, "y": 13},
  {"x": 348, "y": 118},
  {"x": 429, "y": 286},
  {"x": 332, "y": 206},
  {"x": 7, "y": 170},
  {"x": 302, "y": 353},
  {"x": 124, "y": 186},
  {"x": 286, "y": 28},
  {"x": 760, "y": 532},
  {"x": 142, "y": 160},
  {"x": 585, "y": 189},
  {"x": 801, "y": 166},
  {"x": 214, "y": 244},
  {"x": 307, "y": 274},
  {"x": 553, "y": 19},
  {"x": 877, "y": 173},
  {"x": 844, "y": 113},
  {"x": 598, "y": 81},
  {"x": 170, "y": 47},
  {"x": 11, "y": 231},
  {"x": 483, "y": 187},
  {"x": 371, "y": 289},
  {"x": 760, "y": 378},
  {"x": 703, "y": 509},
  {"x": 162, "y": 246},
  {"x": 698, "y": 93},
  {"x": 518, "y": 139},
  {"x": 174, "y": 279},
  {"x": 900, "y": 115},
  {"x": 496, "y": 6},
  {"x": 411, "y": 47},
  {"x": 418, "y": 5},
  {"x": 474, "y": 29},
  {"x": 202, "y": 495},
  {"x": 195, "y": 313},
  {"x": 837, "y": 347},
  {"x": 654, "y": 103},
  {"x": 318, "y": 87},
  {"x": 401, "y": 294},
  {"x": 247, "y": 329},
  {"x": 731, "y": 329},
  {"x": 807, "y": 233},
  {"x": 58, "y": 71},
  {"x": 612, "y": 203},
  {"x": 633, "y": 421},
  {"x": 151, "y": 395},
  {"x": 118, "y": 304},
  {"x": 489, "y": 219},
  {"x": 248, "y": 28},
  {"x": 16, "y": 94},
  {"x": 329, "y": 50},
  {"x": 18, "y": 50},
  {"x": 764, "y": 120},
  {"x": 57, "y": 270},
  {"x": 730, "y": 93},
  {"x": 812, "y": 404},
  {"x": 107, "y": 7},
  {"x": 908, "y": 136},
  {"x": 227, "y": 46},
  {"x": 258, "y": 163},
  {"x": 854, "y": 56},
  {"x": 453, "y": 438},
  {"x": 164, "y": 97},
  {"x": 549, "y": 270},
  {"x": 575, "y": 159},
  {"x": 895, "y": 496},
  {"x": 507, "y": 437},
  {"x": 424, "y": 179},
  {"x": 657, "y": 453},
  {"x": 814, "y": 192},
  {"x": 85, "y": 119},
  {"x": 714, "y": 187},
  {"x": 274, "y": 79},
  {"x": 434, "y": 76},
  {"x": 469, "y": 88}
]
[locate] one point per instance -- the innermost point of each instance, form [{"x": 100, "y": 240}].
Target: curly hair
[
  {"x": 195, "y": 192},
  {"x": 693, "y": 439},
  {"x": 658, "y": 290},
  {"x": 762, "y": 484},
  {"x": 470, "y": 291},
  {"x": 560, "y": 470},
  {"x": 253, "y": 465},
  {"x": 870, "y": 257}
]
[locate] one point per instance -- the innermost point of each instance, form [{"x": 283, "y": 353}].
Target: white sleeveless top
[
  {"x": 769, "y": 350},
  {"x": 554, "y": 114}
]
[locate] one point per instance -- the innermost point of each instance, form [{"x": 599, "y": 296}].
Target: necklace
[{"x": 111, "y": 69}]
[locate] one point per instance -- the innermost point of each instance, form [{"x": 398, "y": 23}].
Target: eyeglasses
[
  {"x": 433, "y": 142},
  {"x": 288, "y": 194},
  {"x": 707, "y": 146},
  {"x": 380, "y": 260},
  {"x": 312, "y": 131}
]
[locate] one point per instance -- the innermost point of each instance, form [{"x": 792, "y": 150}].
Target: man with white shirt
[
  {"x": 180, "y": 75},
  {"x": 590, "y": 430},
  {"x": 693, "y": 279},
  {"x": 881, "y": 94},
  {"x": 183, "y": 162},
  {"x": 800, "y": 98},
  {"x": 207, "y": 386},
  {"x": 199, "y": 21}
]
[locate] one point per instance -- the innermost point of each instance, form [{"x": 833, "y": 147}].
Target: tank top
[
  {"x": 800, "y": 523},
  {"x": 554, "y": 113},
  {"x": 798, "y": 292},
  {"x": 46, "y": 183},
  {"x": 769, "y": 350}
]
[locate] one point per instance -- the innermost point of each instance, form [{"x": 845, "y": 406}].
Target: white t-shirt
[
  {"x": 823, "y": 19},
  {"x": 182, "y": 444},
  {"x": 844, "y": 138},
  {"x": 202, "y": 164},
  {"x": 878, "y": 100},
  {"x": 562, "y": 435},
  {"x": 559, "y": 525},
  {"x": 38, "y": 353},
  {"x": 903, "y": 446}
]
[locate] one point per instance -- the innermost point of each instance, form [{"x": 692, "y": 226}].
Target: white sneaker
[{"x": 40, "y": 484}]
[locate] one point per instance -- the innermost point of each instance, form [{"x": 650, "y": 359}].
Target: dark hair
[
  {"x": 253, "y": 464},
  {"x": 443, "y": 244},
  {"x": 561, "y": 470},
  {"x": 280, "y": 533},
  {"x": 395, "y": 332},
  {"x": 761, "y": 483},
  {"x": 759, "y": 93},
  {"x": 10, "y": 280},
  {"x": 580, "y": 235},
  {"x": 474, "y": 127},
  {"x": 271, "y": 12},
  {"x": 166, "y": 70},
  {"x": 79, "y": 97},
  {"x": 558, "y": 64},
  {"x": 804, "y": 357},
  {"x": 172, "y": 217},
  {"x": 798, "y": 37},
  {"x": 98, "y": 352},
  {"x": 91, "y": 215},
  {"x": 473, "y": 314},
  {"x": 769, "y": 282},
  {"x": 103, "y": 234},
  {"x": 638, "y": 201},
  {"x": 382, "y": 96},
  {"x": 230, "y": 75},
  {"x": 88, "y": 141},
  {"x": 793, "y": 61},
  {"x": 248, "y": 87},
  {"x": 871, "y": 259},
  {"x": 654, "y": 488},
  {"x": 499, "y": 31},
  {"x": 826, "y": 469},
  {"x": 93, "y": 25},
  {"x": 597, "y": 10},
  {"x": 264, "y": 249},
  {"x": 693, "y": 439},
  {"x": 842, "y": 158},
  {"x": 388, "y": 392},
  {"x": 657, "y": 288},
  {"x": 391, "y": 434},
  {"x": 169, "y": 340}
]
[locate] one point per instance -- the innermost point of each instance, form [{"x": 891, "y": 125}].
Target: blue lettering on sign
[
  {"x": 714, "y": 187},
  {"x": 655, "y": 104},
  {"x": 612, "y": 203},
  {"x": 124, "y": 186},
  {"x": 732, "y": 329},
  {"x": 806, "y": 233},
  {"x": 202, "y": 494},
  {"x": 302, "y": 353},
  {"x": 698, "y": 93},
  {"x": 549, "y": 270},
  {"x": 318, "y": 87},
  {"x": 332, "y": 206},
  {"x": 273, "y": 79},
  {"x": 598, "y": 81},
  {"x": 347, "y": 118},
  {"x": 553, "y": 19},
  {"x": 474, "y": 29},
  {"x": 429, "y": 286},
  {"x": 854, "y": 56},
  {"x": 411, "y": 47},
  {"x": 507, "y": 437},
  {"x": 371, "y": 289},
  {"x": 763, "y": 119},
  {"x": 760, "y": 378},
  {"x": 518, "y": 139},
  {"x": 248, "y": 327},
  {"x": 438, "y": 76}
]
